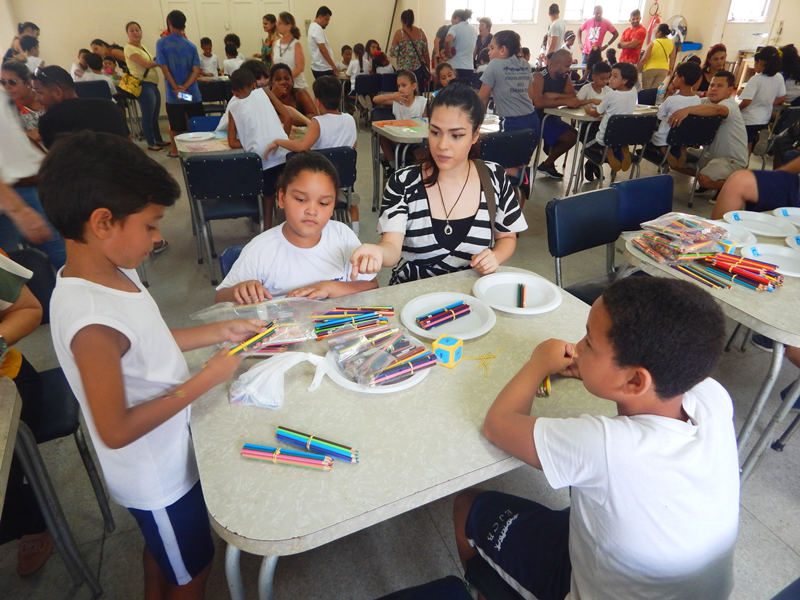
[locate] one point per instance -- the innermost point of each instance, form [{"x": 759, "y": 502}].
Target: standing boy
[
  {"x": 209, "y": 63},
  {"x": 322, "y": 62},
  {"x": 632, "y": 39},
  {"x": 124, "y": 365},
  {"x": 556, "y": 30},
  {"x": 180, "y": 64},
  {"x": 686, "y": 75},
  {"x": 654, "y": 491}
]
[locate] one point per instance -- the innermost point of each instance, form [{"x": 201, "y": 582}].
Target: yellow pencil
[{"x": 251, "y": 341}]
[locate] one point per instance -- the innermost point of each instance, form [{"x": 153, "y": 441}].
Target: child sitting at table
[
  {"x": 347, "y": 56},
  {"x": 443, "y": 76},
  {"x": 654, "y": 490},
  {"x": 110, "y": 68},
  {"x": 258, "y": 118},
  {"x": 79, "y": 68},
  {"x": 621, "y": 100},
  {"x": 483, "y": 61},
  {"x": 231, "y": 62},
  {"x": 686, "y": 75},
  {"x": 95, "y": 72},
  {"x": 593, "y": 92},
  {"x": 209, "y": 63},
  {"x": 308, "y": 255},
  {"x": 259, "y": 71},
  {"x": 405, "y": 103},
  {"x": 124, "y": 365}
]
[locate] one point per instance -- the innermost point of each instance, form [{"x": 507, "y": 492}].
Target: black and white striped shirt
[{"x": 405, "y": 209}]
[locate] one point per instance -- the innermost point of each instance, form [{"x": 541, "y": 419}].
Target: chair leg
[
  {"x": 733, "y": 337},
  {"x": 206, "y": 234},
  {"x": 558, "y": 271},
  {"x": 779, "y": 444},
  {"x": 94, "y": 478}
]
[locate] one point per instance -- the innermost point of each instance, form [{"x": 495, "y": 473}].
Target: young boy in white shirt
[
  {"x": 78, "y": 69},
  {"x": 231, "y": 62},
  {"x": 654, "y": 491},
  {"x": 30, "y": 51},
  {"x": 347, "y": 56},
  {"x": 308, "y": 255},
  {"x": 596, "y": 90},
  {"x": 95, "y": 72},
  {"x": 258, "y": 118},
  {"x": 686, "y": 75},
  {"x": 124, "y": 365},
  {"x": 209, "y": 64},
  {"x": 621, "y": 100}
]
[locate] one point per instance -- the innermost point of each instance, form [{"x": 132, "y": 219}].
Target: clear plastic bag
[
  {"x": 688, "y": 229},
  {"x": 271, "y": 310}
]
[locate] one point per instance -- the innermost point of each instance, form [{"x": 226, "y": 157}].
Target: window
[
  {"x": 499, "y": 11},
  {"x": 616, "y": 11},
  {"x": 748, "y": 11}
]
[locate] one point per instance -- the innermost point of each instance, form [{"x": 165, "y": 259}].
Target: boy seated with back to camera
[
  {"x": 654, "y": 491},
  {"x": 686, "y": 75}
]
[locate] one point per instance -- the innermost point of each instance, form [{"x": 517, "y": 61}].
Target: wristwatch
[{"x": 3, "y": 348}]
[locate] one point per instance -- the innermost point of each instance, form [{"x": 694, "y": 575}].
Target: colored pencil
[
  {"x": 441, "y": 310},
  {"x": 296, "y": 453},
  {"x": 308, "y": 441},
  {"x": 244, "y": 345}
]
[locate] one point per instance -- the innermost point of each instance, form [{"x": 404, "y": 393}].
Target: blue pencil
[
  {"x": 285, "y": 451},
  {"x": 441, "y": 310}
]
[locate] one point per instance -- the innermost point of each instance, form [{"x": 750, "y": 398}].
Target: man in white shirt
[
  {"x": 322, "y": 61},
  {"x": 556, "y": 31}
]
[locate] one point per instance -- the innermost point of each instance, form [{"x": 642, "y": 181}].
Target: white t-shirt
[
  {"x": 159, "y": 468},
  {"x": 792, "y": 90},
  {"x": 257, "y": 125},
  {"x": 669, "y": 106},
  {"x": 209, "y": 64},
  {"x": 731, "y": 139},
  {"x": 464, "y": 36},
  {"x": 18, "y": 158},
  {"x": 229, "y": 65},
  {"x": 616, "y": 102},
  {"x": 354, "y": 69},
  {"x": 77, "y": 71},
  {"x": 285, "y": 55},
  {"x": 557, "y": 30},
  {"x": 341, "y": 67},
  {"x": 317, "y": 38},
  {"x": 417, "y": 109},
  {"x": 282, "y": 267},
  {"x": 387, "y": 69},
  {"x": 655, "y": 501},
  {"x": 762, "y": 90},
  {"x": 335, "y": 131},
  {"x": 587, "y": 93},
  {"x": 481, "y": 68},
  {"x": 33, "y": 63},
  {"x": 223, "y": 121},
  {"x": 92, "y": 76}
]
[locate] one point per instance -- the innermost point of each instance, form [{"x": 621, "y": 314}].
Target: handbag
[
  {"x": 426, "y": 71},
  {"x": 132, "y": 85}
]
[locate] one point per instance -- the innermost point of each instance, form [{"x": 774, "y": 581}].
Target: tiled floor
[{"x": 418, "y": 546}]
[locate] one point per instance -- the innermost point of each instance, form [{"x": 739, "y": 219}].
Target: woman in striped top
[{"x": 435, "y": 215}]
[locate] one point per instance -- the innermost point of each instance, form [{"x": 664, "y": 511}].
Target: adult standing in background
[
  {"x": 142, "y": 66},
  {"x": 288, "y": 50},
  {"x": 410, "y": 48},
  {"x": 438, "y": 44},
  {"x": 556, "y": 31},
  {"x": 115, "y": 51},
  {"x": 460, "y": 42},
  {"x": 23, "y": 29},
  {"x": 270, "y": 25},
  {"x": 658, "y": 59},
  {"x": 180, "y": 63},
  {"x": 484, "y": 38},
  {"x": 322, "y": 61},
  {"x": 596, "y": 29},
  {"x": 632, "y": 39}
]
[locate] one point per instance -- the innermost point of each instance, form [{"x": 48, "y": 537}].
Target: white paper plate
[
  {"x": 341, "y": 379},
  {"x": 499, "y": 290},
  {"x": 793, "y": 241},
  {"x": 737, "y": 233},
  {"x": 196, "y": 136},
  {"x": 787, "y": 259},
  {"x": 478, "y": 322},
  {"x": 761, "y": 223},
  {"x": 790, "y": 213}
]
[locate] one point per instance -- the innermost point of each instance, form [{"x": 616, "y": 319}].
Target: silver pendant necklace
[{"x": 447, "y": 229}]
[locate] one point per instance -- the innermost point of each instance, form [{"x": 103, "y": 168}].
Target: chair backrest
[
  {"x": 224, "y": 177},
  {"x": 344, "y": 159},
  {"x": 381, "y": 113},
  {"x": 214, "y": 91},
  {"x": 92, "y": 89},
  {"x": 643, "y": 199},
  {"x": 367, "y": 85},
  {"x": 43, "y": 281},
  {"x": 509, "y": 148},
  {"x": 203, "y": 123},
  {"x": 582, "y": 221},
  {"x": 694, "y": 131},
  {"x": 227, "y": 258},
  {"x": 388, "y": 82},
  {"x": 630, "y": 130},
  {"x": 647, "y": 96}
]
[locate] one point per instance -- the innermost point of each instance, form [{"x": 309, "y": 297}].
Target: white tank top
[
  {"x": 335, "y": 131},
  {"x": 285, "y": 54}
]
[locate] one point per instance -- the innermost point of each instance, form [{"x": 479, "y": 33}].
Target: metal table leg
[
  {"x": 766, "y": 388},
  {"x": 266, "y": 576},
  {"x": 233, "y": 572},
  {"x": 538, "y": 151},
  {"x": 577, "y": 161}
]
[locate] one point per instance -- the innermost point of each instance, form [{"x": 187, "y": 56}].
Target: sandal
[
  {"x": 162, "y": 144},
  {"x": 172, "y": 155},
  {"x": 33, "y": 551},
  {"x": 155, "y": 148}
]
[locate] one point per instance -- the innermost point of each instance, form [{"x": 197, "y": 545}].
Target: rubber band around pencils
[
  {"x": 308, "y": 442},
  {"x": 275, "y": 455}
]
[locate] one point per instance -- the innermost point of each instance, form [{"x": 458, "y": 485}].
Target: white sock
[{"x": 356, "y": 227}]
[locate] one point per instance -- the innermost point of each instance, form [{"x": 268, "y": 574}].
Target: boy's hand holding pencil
[
  {"x": 556, "y": 357},
  {"x": 240, "y": 330}
]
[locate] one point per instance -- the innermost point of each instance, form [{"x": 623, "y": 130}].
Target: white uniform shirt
[
  {"x": 257, "y": 125},
  {"x": 335, "y": 131},
  {"x": 761, "y": 90}
]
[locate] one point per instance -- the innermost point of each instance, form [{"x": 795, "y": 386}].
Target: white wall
[{"x": 8, "y": 24}]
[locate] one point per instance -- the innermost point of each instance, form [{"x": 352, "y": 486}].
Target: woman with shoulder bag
[
  {"x": 410, "y": 48},
  {"x": 142, "y": 67}
]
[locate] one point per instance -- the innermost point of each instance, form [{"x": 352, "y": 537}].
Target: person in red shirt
[{"x": 632, "y": 39}]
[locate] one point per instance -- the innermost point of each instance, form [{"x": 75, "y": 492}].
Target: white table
[
  {"x": 415, "y": 446},
  {"x": 774, "y": 315}
]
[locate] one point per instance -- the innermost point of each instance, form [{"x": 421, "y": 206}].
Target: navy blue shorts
[
  {"x": 525, "y": 542},
  {"x": 179, "y": 536},
  {"x": 776, "y": 189},
  {"x": 530, "y": 121},
  {"x": 554, "y": 128}
]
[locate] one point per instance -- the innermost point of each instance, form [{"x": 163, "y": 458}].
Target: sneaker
[
  {"x": 614, "y": 158},
  {"x": 713, "y": 199},
  {"x": 588, "y": 172},
  {"x": 365, "y": 101},
  {"x": 550, "y": 171},
  {"x": 760, "y": 147},
  {"x": 160, "y": 247},
  {"x": 761, "y": 342},
  {"x": 33, "y": 551}
]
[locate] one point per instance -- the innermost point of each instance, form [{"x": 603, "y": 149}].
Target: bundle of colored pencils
[
  {"x": 288, "y": 457},
  {"x": 753, "y": 274},
  {"x": 521, "y": 292},
  {"x": 405, "y": 363},
  {"x": 259, "y": 337},
  {"x": 701, "y": 277},
  {"x": 685, "y": 227},
  {"x": 385, "y": 311},
  {"x": 544, "y": 388},
  {"x": 443, "y": 315},
  {"x": 326, "y": 325},
  {"x": 310, "y": 442}
]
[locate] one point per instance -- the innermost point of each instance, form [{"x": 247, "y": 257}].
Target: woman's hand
[
  {"x": 486, "y": 262},
  {"x": 366, "y": 259},
  {"x": 250, "y": 292}
]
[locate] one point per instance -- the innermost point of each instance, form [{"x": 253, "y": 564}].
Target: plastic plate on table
[
  {"x": 338, "y": 377},
  {"x": 196, "y": 136},
  {"x": 790, "y": 213},
  {"x": 220, "y": 135},
  {"x": 737, "y": 233},
  {"x": 499, "y": 290},
  {"x": 761, "y": 223},
  {"x": 479, "y": 321},
  {"x": 793, "y": 241},
  {"x": 786, "y": 259}
]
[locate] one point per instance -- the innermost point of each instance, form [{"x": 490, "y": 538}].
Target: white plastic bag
[{"x": 262, "y": 385}]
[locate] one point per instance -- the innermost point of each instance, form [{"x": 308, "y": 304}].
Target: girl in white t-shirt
[
  {"x": 360, "y": 65},
  {"x": 405, "y": 103},
  {"x": 765, "y": 90}
]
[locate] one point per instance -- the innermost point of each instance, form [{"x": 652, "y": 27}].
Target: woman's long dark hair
[
  {"x": 464, "y": 98},
  {"x": 771, "y": 58},
  {"x": 790, "y": 63},
  {"x": 711, "y": 52},
  {"x": 359, "y": 50}
]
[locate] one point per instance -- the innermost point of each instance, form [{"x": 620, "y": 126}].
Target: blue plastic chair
[
  {"x": 643, "y": 199},
  {"x": 344, "y": 159},
  {"x": 510, "y": 149},
  {"x": 203, "y": 123},
  {"x": 93, "y": 89},
  {"x": 227, "y": 258},
  {"x": 366, "y": 85},
  {"x": 634, "y": 131},
  {"x": 790, "y": 592},
  {"x": 388, "y": 83},
  {"x": 647, "y": 96}
]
